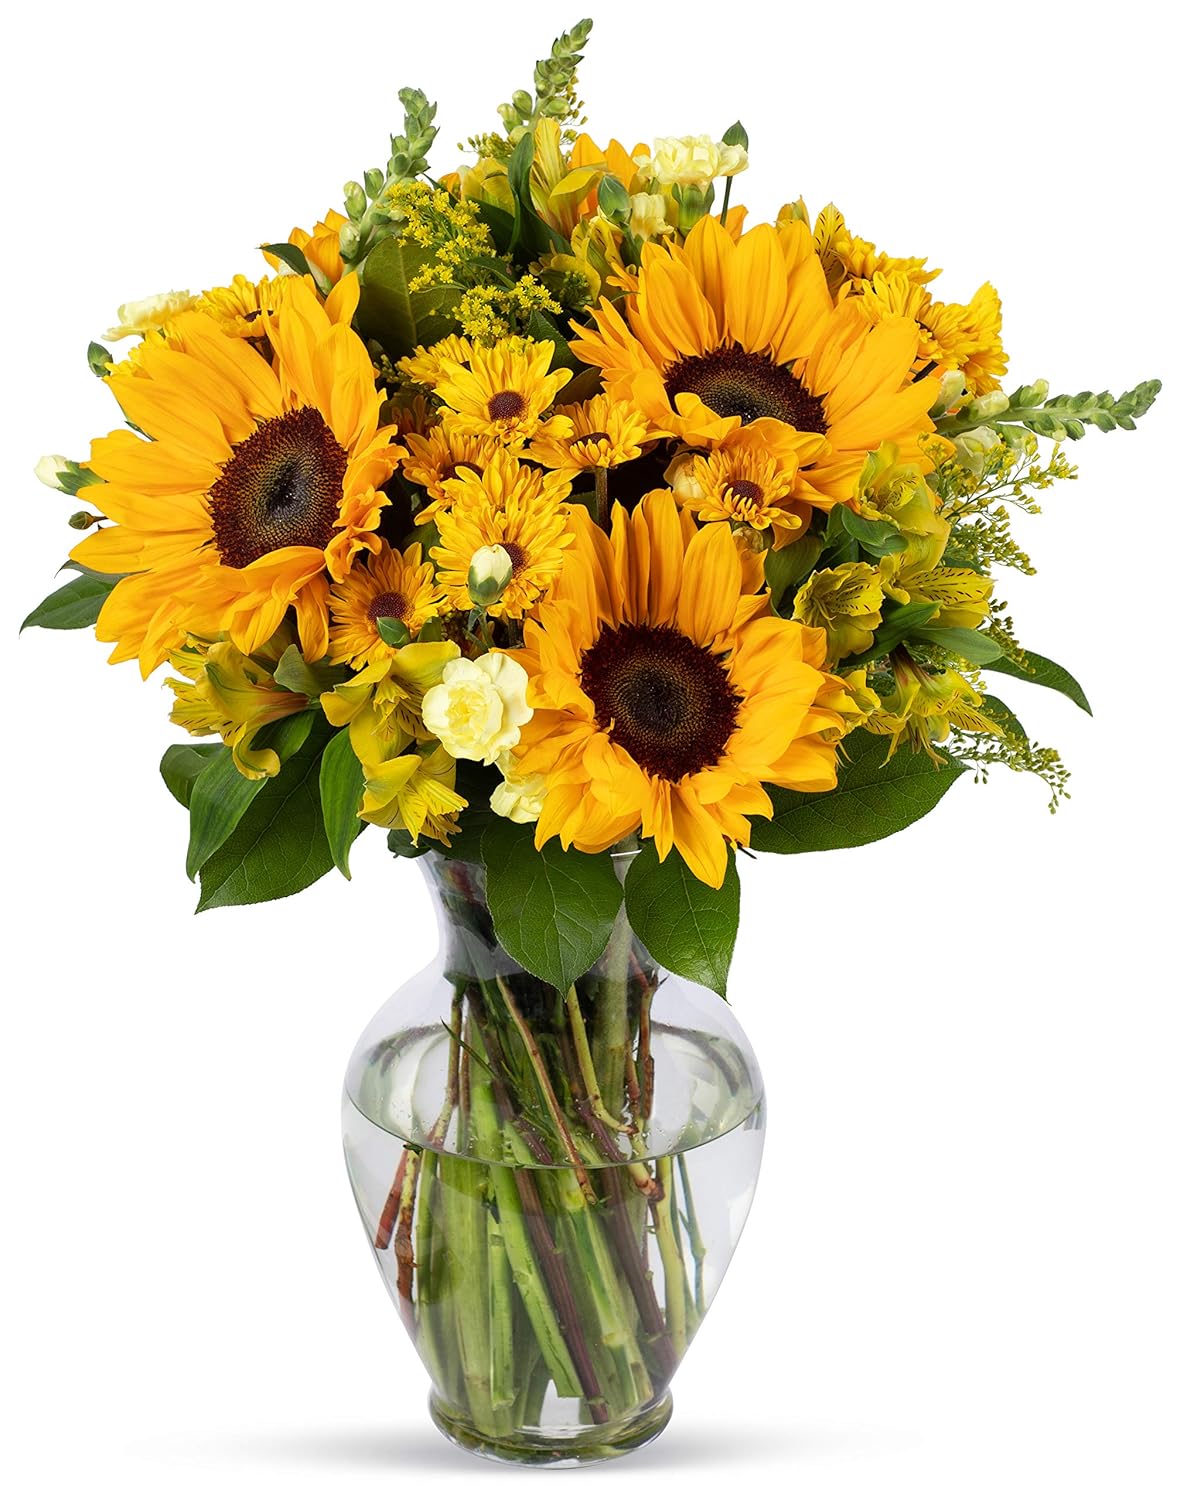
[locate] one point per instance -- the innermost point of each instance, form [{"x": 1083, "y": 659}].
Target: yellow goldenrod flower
[
  {"x": 604, "y": 432},
  {"x": 232, "y": 695},
  {"x": 478, "y": 707},
  {"x": 846, "y": 602},
  {"x": 390, "y": 585},
  {"x": 664, "y": 695},
  {"x": 261, "y": 486},
  {"x": 516, "y": 507},
  {"x": 724, "y": 333}
]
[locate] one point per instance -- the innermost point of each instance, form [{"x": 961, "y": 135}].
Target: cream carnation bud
[
  {"x": 682, "y": 477},
  {"x": 478, "y": 707},
  {"x": 50, "y": 469},
  {"x": 148, "y": 313},
  {"x": 490, "y": 572},
  {"x": 519, "y": 798},
  {"x": 647, "y": 215},
  {"x": 691, "y": 161}
]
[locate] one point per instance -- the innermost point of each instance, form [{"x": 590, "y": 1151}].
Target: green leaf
[
  {"x": 875, "y": 797},
  {"x": 875, "y": 537},
  {"x": 74, "y": 605},
  {"x": 972, "y": 645},
  {"x": 396, "y": 318},
  {"x": 341, "y": 786},
  {"x": 1046, "y": 673},
  {"x": 292, "y": 256},
  {"x": 530, "y": 234},
  {"x": 279, "y": 846},
  {"x": 221, "y": 795},
  {"x": 786, "y": 567},
  {"x": 687, "y": 926},
  {"x": 313, "y": 679},
  {"x": 839, "y": 546},
  {"x": 400, "y": 843},
  {"x": 393, "y": 631},
  {"x": 541, "y": 328},
  {"x": 182, "y": 764},
  {"x": 1004, "y": 717},
  {"x": 899, "y": 621},
  {"x": 553, "y": 909}
]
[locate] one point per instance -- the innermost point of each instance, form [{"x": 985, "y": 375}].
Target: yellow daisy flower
[
  {"x": 390, "y": 585},
  {"x": 665, "y": 696},
  {"x": 238, "y": 307},
  {"x": 424, "y": 365},
  {"x": 442, "y": 454},
  {"x": 749, "y": 481},
  {"x": 968, "y": 338},
  {"x": 723, "y": 333},
  {"x": 504, "y": 391},
  {"x": 516, "y": 507},
  {"x": 261, "y": 484},
  {"x": 605, "y": 432}
]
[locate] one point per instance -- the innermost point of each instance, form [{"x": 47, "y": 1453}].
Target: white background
[{"x": 958, "y": 1279}]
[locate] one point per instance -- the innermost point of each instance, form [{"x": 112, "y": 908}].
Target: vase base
[{"x": 554, "y": 1450}]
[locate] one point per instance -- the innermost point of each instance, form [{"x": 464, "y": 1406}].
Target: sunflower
[
  {"x": 441, "y": 454},
  {"x": 665, "y": 695},
  {"x": 723, "y": 333},
  {"x": 261, "y": 482},
  {"x": 389, "y": 585},
  {"x": 605, "y": 432},
  {"x": 518, "y": 508},
  {"x": 504, "y": 391},
  {"x": 321, "y": 247},
  {"x": 749, "y": 481}
]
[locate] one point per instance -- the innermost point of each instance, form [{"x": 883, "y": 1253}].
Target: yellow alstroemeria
[
  {"x": 926, "y": 706},
  {"x": 414, "y": 792},
  {"x": 846, "y": 602},
  {"x": 230, "y": 694},
  {"x": 382, "y": 704}
]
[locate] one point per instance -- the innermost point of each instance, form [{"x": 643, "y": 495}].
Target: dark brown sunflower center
[
  {"x": 505, "y": 406},
  {"x": 516, "y": 553},
  {"x": 734, "y": 383},
  {"x": 454, "y": 470},
  {"x": 590, "y": 437},
  {"x": 661, "y": 697},
  {"x": 388, "y": 606},
  {"x": 281, "y": 488},
  {"x": 746, "y": 489}
]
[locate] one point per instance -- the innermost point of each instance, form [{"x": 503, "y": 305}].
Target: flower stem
[
  {"x": 611, "y": 1040},
  {"x": 584, "y": 1057}
]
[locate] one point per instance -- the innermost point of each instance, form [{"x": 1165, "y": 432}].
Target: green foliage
[
  {"x": 75, "y": 604},
  {"x": 875, "y": 797},
  {"x": 1047, "y": 673},
  {"x": 839, "y": 545},
  {"x": 341, "y": 786},
  {"x": 397, "y": 318},
  {"x": 736, "y": 135},
  {"x": 410, "y": 149},
  {"x": 787, "y": 567},
  {"x": 279, "y": 846},
  {"x": 221, "y": 796},
  {"x": 970, "y": 645},
  {"x": 553, "y": 909},
  {"x": 899, "y": 622},
  {"x": 1012, "y": 748},
  {"x": 542, "y": 328},
  {"x": 297, "y": 675},
  {"x": 293, "y": 257},
  {"x": 531, "y": 236},
  {"x": 182, "y": 764},
  {"x": 686, "y": 925},
  {"x": 878, "y": 538},
  {"x": 393, "y": 632},
  {"x": 1062, "y": 417}
]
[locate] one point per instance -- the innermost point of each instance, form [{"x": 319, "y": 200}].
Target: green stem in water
[
  {"x": 694, "y": 1236},
  {"x": 674, "y": 1272},
  {"x": 584, "y": 1057},
  {"x": 611, "y": 1037}
]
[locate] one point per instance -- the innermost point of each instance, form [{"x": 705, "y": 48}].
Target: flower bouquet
[{"x": 580, "y": 535}]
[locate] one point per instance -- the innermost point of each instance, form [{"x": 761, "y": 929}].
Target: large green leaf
[
  {"x": 899, "y": 622},
  {"x": 875, "y": 797},
  {"x": 541, "y": 328},
  {"x": 182, "y": 764},
  {"x": 279, "y": 846},
  {"x": 220, "y": 794},
  {"x": 1046, "y": 673},
  {"x": 341, "y": 785},
  {"x": 313, "y": 679},
  {"x": 553, "y": 909},
  {"x": 390, "y": 313},
  {"x": 74, "y": 605},
  {"x": 972, "y": 645},
  {"x": 687, "y": 926}
]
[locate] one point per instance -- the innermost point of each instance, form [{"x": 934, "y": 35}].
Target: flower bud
[
  {"x": 952, "y": 388},
  {"x": 82, "y": 520},
  {"x": 612, "y": 199},
  {"x": 694, "y": 203},
  {"x": 988, "y": 406},
  {"x": 51, "y": 469},
  {"x": 491, "y": 570},
  {"x": 682, "y": 477},
  {"x": 749, "y": 539},
  {"x": 647, "y": 215},
  {"x": 1035, "y": 393},
  {"x": 373, "y": 181},
  {"x": 349, "y": 241},
  {"x": 355, "y": 200}
]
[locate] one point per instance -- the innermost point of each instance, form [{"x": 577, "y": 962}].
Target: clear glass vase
[{"x": 553, "y": 1185}]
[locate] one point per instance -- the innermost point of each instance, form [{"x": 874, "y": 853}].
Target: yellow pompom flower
[
  {"x": 846, "y": 602},
  {"x": 723, "y": 333},
  {"x": 968, "y": 338},
  {"x": 425, "y": 365},
  {"x": 443, "y": 453},
  {"x": 260, "y": 485},
  {"x": 504, "y": 391},
  {"x": 513, "y": 506},
  {"x": 749, "y": 481},
  {"x": 389, "y": 585},
  {"x": 223, "y": 692},
  {"x": 605, "y": 432},
  {"x": 665, "y": 696}
]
